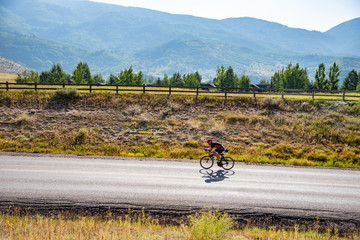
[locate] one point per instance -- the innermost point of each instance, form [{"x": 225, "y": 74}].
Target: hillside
[
  {"x": 262, "y": 131},
  {"x": 7, "y": 66},
  {"x": 37, "y": 33}
]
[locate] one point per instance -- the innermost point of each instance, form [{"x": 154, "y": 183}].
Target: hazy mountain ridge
[{"x": 111, "y": 37}]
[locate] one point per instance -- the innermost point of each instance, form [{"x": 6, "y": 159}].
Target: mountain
[
  {"x": 38, "y": 33},
  {"x": 7, "y": 66},
  {"x": 347, "y": 37}
]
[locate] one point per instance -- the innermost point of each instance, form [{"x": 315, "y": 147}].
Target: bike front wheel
[
  {"x": 227, "y": 163},
  {"x": 206, "y": 162}
]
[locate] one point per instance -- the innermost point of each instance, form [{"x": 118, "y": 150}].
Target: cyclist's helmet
[{"x": 209, "y": 141}]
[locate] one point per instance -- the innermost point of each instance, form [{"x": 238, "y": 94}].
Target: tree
[
  {"x": 158, "y": 82},
  {"x": 129, "y": 77},
  {"x": 243, "y": 82},
  {"x": 138, "y": 79},
  {"x": 291, "y": 78},
  {"x": 166, "y": 81},
  {"x": 97, "y": 78},
  {"x": 321, "y": 82},
  {"x": 56, "y": 75},
  {"x": 225, "y": 77},
  {"x": 87, "y": 74},
  {"x": 351, "y": 81},
  {"x": 82, "y": 75},
  {"x": 334, "y": 77},
  {"x": 113, "y": 79},
  {"x": 264, "y": 82},
  {"x": 192, "y": 80},
  {"x": 277, "y": 80},
  {"x": 176, "y": 80},
  {"x": 220, "y": 75},
  {"x": 229, "y": 80},
  {"x": 44, "y": 77},
  {"x": 28, "y": 77}
]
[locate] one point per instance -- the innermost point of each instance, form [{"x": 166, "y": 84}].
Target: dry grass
[
  {"x": 266, "y": 131},
  {"x": 205, "y": 225},
  {"x": 6, "y": 77}
]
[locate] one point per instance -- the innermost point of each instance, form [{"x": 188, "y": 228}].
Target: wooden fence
[{"x": 194, "y": 91}]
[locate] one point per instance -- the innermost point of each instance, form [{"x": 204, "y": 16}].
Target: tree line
[
  {"x": 294, "y": 77},
  {"x": 290, "y": 77}
]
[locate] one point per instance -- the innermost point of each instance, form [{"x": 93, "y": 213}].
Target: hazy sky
[{"x": 318, "y": 15}]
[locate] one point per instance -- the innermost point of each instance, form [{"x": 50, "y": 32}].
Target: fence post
[
  {"x": 253, "y": 90},
  {"x": 7, "y": 86},
  {"x": 225, "y": 94},
  {"x": 344, "y": 95},
  {"x": 117, "y": 89},
  {"x": 169, "y": 90},
  {"x": 63, "y": 85},
  {"x": 197, "y": 92},
  {"x": 282, "y": 93},
  {"x": 313, "y": 94},
  {"x": 144, "y": 88},
  {"x": 90, "y": 89},
  {"x": 35, "y": 86}
]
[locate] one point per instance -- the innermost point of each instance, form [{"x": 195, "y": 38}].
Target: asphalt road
[{"x": 179, "y": 185}]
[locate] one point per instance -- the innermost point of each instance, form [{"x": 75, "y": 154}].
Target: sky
[{"x": 319, "y": 15}]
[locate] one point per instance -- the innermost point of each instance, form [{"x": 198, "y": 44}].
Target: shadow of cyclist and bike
[{"x": 215, "y": 176}]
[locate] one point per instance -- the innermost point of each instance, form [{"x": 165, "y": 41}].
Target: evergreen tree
[
  {"x": 56, "y": 75},
  {"x": 44, "y": 77},
  {"x": 97, "y": 78},
  {"x": 158, "y": 82},
  {"x": 81, "y": 74},
  {"x": 166, "y": 81},
  {"x": 277, "y": 80},
  {"x": 87, "y": 74},
  {"x": 229, "y": 80},
  {"x": 351, "y": 81},
  {"x": 176, "y": 80},
  {"x": 334, "y": 77},
  {"x": 198, "y": 77},
  {"x": 138, "y": 79},
  {"x": 113, "y": 80},
  {"x": 192, "y": 80},
  {"x": 125, "y": 76},
  {"x": 264, "y": 82},
  {"x": 321, "y": 82},
  {"x": 243, "y": 82}
]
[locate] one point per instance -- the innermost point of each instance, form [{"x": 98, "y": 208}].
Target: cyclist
[{"x": 215, "y": 148}]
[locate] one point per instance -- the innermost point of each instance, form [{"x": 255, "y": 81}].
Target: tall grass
[
  {"x": 206, "y": 225},
  {"x": 210, "y": 225}
]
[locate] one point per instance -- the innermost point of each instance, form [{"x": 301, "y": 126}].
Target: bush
[
  {"x": 192, "y": 144},
  {"x": 67, "y": 93},
  {"x": 81, "y": 137},
  {"x": 210, "y": 225}
]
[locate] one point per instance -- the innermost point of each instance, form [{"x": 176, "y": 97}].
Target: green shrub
[
  {"x": 210, "y": 225},
  {"x": 192, "y": 143},
  {"x": 67, "y": 93},
  {"x": 81, "y": 136}
]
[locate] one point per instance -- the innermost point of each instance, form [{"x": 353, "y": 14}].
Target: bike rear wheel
[
  {"x": 206, "y": 162},
  {"x": 227, "y": 163}
]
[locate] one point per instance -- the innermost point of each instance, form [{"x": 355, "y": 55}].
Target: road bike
[{"x": 226, "y": 163}]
